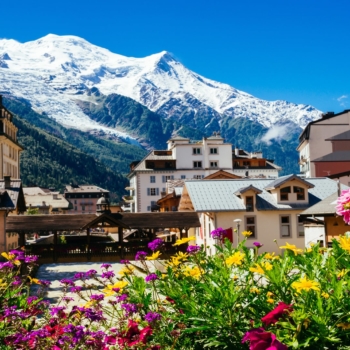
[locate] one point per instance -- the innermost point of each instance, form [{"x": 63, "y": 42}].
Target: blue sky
[{"x": 295, "y": 50}]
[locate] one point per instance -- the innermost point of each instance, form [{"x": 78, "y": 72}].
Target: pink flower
[
  {"x": 261, "y": 340},
  {"x": 280, "y": 310},
  {"x": 343, "y": 205}
]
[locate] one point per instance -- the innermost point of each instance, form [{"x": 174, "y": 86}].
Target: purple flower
[
  {"x": 97, "y": 297},
  {"x": 67, "y": 299},
  {"x": 129, "y": 309},
  {"x": 124, "y": 262},
  {"x": 45, "y": 283},
  {"x": 108, "y": 274},
  {"x": 260, "y": 340},
  {"x": 121, "y": 298},
  {"x": 56, "y": 310},
  {"x": 140, "y": 255},
  {"x": 151, "y": 277},
  {"x": 17, "y": 281},
  {"x": 193, "y": 249},
  {"x": 79, "y": 276},
  {"x": 30, "y": 259},
  {"x": 152, "y": 317},
  {"x": 218, "y": 233},
  {"x": 90, "y": 273},
  {"x": 6, "y": 265},
  {"x": 31, "y": 299},
  {"x": 67, "y": 282},
  {"x": 156, "y": 244},
  {"x": 76, "y": 289},
  {"x": 106, "y": 266},
  {"x": 258, "y": 244}
]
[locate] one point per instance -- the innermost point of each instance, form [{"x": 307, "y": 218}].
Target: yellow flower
[
  {"x": 184, "y": 240},
  {"x": 194, "y": 272},
  {"x": 305, "y": 284},
  {"x": 325, "y": 295},
  {"x": 235, "y": 259},
  {"x": 272, "y": 256},
  {"x": 292, "y": 247},
  {"x": 173, "y": 262},
  {"x": 34, "y": 280},
  {"x": 341, "y": 273},
  {"x": 308, "y": 250},
  {"x": 11, "y": 257},
  {"x": 267, "y": 265},
  {"x": 271, "y": 301},
  {"x": 109, "y": 288},
  {"x": 345, "y": 243},
  {"x": 88, "y": 304},
  {"x": 2, "y": 284},
  {"x": 154, "y": 256},
  {"x": 269, "y": 294},
  {"x": 344, "y": 325},
  {"x": 254, "y": 290},
  {"x": 235, "y": 277},
  {"x": 247, "y": 233},
  {"x": 181, "y": 256},
  {"x": 257, "y": 269},
  {"x": 127, "y": 270}
]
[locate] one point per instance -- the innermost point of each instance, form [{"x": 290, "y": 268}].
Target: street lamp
[{"x": 238, "y": 224}]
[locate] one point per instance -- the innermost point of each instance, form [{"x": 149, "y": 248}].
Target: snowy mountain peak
[{"x": 54, "y": 71}]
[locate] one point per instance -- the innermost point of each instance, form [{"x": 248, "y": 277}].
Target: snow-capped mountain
[{"x": 53, "y": 72}]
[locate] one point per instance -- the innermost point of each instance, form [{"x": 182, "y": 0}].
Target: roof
[
  {"x": 160, "y": 219},
  {"x": 84, "y": 189},
  {"x": 151, "y": 156},
  {"x": 283, "y": 179},
  {"x": 325, "y": 207},
  {"x": 246, "y": 189},
  {"x": 12, "y": 197},
  {"x": 219, "y": 195},
  {"x": 33, "y": 190},
  {"x": 63, "y": 222},
  {"x": 344, "y": 136},
  {"x": 55, "y": 200},
  {"x": 337, "y": 156}
]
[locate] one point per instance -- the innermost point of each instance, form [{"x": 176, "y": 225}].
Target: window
[
  {"x": 300, "y": 193},
  {"x": 197, "y": 164},
  {"x": 246, "y": 163},
  {"x": 76, "y": 208},
  {"x": 153, "y": 203},
  {"x": 152, "y": 179},
  {"x": 285, "y": 226},
  {"x": 75, "y": 201},
  {"x": 213, "y": 151},
  {"x": 83, "y": 207},
  {"x": 250, "y": 225},
  {"x": 213, "y": 164},
  {"x": 153, "y": 191},
  {"x": 249, "y": 203},
  {"x": 183, "y": 177},
  {"x": 301, "y": 229},
  {"x": 284, "y": 193},
  {"x": 198, "y": 177},
  {"x": 196, "y": 151},
  {"x": 165, "y": 178}
]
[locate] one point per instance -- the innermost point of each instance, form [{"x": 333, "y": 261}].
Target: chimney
[
  {"x": 236, "y": 151},
  {"x": 7, "y": 181}
]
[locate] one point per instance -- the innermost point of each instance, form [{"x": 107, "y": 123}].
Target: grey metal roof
[
  {"x": 248, "y": 188},
  {"x": 218, "y": 195},
  {"x": 343, "y": 136},
  {"x": 283, "y": 179},
  {"x": 337, "y": 156},
  {"x": 326, "y": 206}
]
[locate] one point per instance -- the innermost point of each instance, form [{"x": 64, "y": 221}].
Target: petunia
[
  {"x": 280, "y": 310},
  {"x": 259, "y": 339}
]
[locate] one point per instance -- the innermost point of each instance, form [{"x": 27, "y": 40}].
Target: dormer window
[
  {"x": 249, "y": 203},
  {"x": 300, "y": 193},
  {"x": 284, "y": 193}
]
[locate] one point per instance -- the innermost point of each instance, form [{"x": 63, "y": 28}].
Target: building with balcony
[
  {"x": 316, "y": 144},
  {"x": 185, "y": 159},
  {"x": 83, "y": 198}
]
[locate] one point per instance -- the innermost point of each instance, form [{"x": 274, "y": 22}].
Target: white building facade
[{"x": 183, "y": 159}]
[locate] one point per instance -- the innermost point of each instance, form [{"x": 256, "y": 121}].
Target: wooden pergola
[{"x": 24, "y": 224}]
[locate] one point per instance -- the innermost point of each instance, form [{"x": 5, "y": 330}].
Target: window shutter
[
  {"x": 172, "y": 177},
  {"x": 163, "y": 178},
  {"x": 157, "y": 191},
  {"x": 148, "y": 191}
]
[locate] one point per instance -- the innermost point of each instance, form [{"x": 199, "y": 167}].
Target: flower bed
[{"x": 236, "y": 299}]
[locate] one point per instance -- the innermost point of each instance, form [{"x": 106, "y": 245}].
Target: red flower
[
  {"x": 280, "y": 310},
  {"x": 261, "y": 340},
  {"x": 134, "y": 336},
  {"x": 169, "y": 300}
]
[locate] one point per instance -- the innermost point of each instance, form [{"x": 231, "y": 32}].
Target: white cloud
[
  {"x": 276, "y": 132},
  {"x": 342, "y": 99}
]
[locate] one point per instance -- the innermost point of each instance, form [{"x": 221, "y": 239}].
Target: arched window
[
  {"x": 284, "y": 192},
  {"x": 300, "y": 193}
]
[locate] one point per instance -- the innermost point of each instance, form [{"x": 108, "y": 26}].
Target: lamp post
[{"x": 238, "y": 224}]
